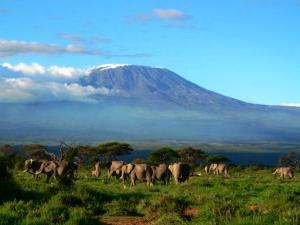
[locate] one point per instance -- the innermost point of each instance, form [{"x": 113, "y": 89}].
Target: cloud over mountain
[
  {"x": 37, "y": 83},
  {"x": 37, "y": 69}
]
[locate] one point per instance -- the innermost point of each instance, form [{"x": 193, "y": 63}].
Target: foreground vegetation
[{"x": 249, "y": 196}]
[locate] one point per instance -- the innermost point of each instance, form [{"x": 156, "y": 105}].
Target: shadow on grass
[{"x": 10, "y": 191}]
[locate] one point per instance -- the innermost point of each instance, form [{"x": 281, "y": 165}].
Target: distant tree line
[{"x": 106, "y": 152}]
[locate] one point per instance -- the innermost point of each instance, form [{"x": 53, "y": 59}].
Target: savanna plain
[{"x": 250, "y": 195}]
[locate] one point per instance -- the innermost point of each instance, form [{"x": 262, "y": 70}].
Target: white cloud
[
  {"x": 28, "y": 90},
  {"x": 56, "y": 71},
  {"x": 173, "y": 18},
  {"x": 292, "y": 104},
  {"x": 14, "y": 89},
  {"x": 81, "y": 40},
  {"x": 170, "y": 14},
  {"x": 33, "y": 68},
  {"x": 14, "y": 47}
]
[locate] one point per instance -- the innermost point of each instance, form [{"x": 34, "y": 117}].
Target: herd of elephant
[
  {"x": 58, "y": 169},
  {"x": 133, "y": 172}
]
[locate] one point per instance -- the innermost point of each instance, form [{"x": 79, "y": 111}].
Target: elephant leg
[
  {"x": 124, "y": 181},
  {"x": 149, "y": 183},
  {"x": 132, "y": 179}
]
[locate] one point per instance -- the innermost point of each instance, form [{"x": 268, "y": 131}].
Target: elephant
[
  {"x": 141, "y": 172},
  {"x": 97, "y": 171},
  {"x": 32, "y": 166},
  {"x": 115, "y": 169},
  {"x": 161, "y": 173},
  {"x": 61, "y": 169},
  {"x": 180, "y": 172},
  {"x": 284, "y": 172},
  {"x": 126, "y": 171},
  {"x": 212, "y": 168},
  {"x": 218, "y": 168}
]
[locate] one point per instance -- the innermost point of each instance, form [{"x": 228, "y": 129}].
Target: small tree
[
  {"x": 110, "y": 151},
  {"x": 163, "y": 155},
  {"x": 86, "y": 152},
  {"x": 191, "y": 155},
  {"x": 217, "y": 159},
  {"x": 36, "y": 151}
]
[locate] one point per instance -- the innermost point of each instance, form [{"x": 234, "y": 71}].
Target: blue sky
[{"x": 246, "y": 49}]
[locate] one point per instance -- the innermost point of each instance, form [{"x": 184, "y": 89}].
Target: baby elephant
[{"x": 284, "y": 172}]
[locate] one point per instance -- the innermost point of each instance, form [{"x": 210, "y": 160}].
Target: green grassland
[{"x": 246, "y": 197}]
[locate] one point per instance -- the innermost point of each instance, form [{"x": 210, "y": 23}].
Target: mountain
[
  {"x": 156, "y": 84},
  {"x": 132, "y": 102}
]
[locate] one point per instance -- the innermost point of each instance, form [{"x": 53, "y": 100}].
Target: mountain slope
[
  {"x": 145, "y": 103},
  {"x": 157, "y": 84}
]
